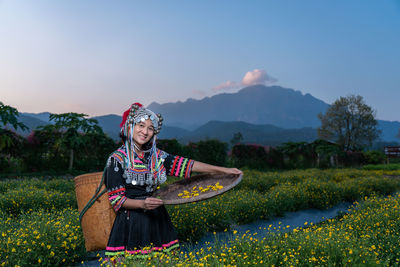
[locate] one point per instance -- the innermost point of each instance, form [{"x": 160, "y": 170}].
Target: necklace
[{"x": 139, "y": 149}]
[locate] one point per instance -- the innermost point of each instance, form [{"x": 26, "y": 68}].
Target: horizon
[{"x": 98, "y": 57}]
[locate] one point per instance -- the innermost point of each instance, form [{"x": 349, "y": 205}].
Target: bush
[
  {"x": 211, "y": 151},
  {"x": 171, "y": 146},
  {"x": 256, "y": 157},
  {"x": 374, "y": 157}
]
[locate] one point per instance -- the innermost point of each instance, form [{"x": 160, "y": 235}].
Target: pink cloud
[
  {"x": 225, "y": 86},
  {"x": 257, "y": 77},
  {"x": 199, "y": 93}
]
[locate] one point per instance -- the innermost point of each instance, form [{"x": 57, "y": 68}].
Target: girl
[{"x": 142, "y": 225}]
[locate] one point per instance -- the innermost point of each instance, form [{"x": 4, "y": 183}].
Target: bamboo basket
[
  {"x": 170, "y": 193},
  {"x": 99, "y": 218}
]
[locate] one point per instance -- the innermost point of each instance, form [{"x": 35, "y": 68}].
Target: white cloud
[
  {"x": 257, "y": 77},
  {"x": 254, "y": 77}
]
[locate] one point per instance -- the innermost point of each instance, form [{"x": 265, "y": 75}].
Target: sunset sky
[{"x": 98, "y": 57}]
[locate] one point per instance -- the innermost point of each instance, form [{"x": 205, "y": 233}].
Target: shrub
[
  {"x": 256, "y": 157},
  {"x": 211, "y": 151},
  {"x": 171, "y": 146},
  {"x": 374, "y": 157}
]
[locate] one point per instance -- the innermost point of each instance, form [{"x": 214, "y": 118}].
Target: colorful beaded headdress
[{"x": 135, "y": 114}]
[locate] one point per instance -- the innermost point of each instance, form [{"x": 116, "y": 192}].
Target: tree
[
  {"x": 8, "y": 115},
  {"x": 237, "y": 138},
  {"x": 72, "y": 126},
  {"x": 350, "y": 123}
]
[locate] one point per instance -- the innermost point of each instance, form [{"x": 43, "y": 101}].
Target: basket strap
[{"x": 96, "y": 195}]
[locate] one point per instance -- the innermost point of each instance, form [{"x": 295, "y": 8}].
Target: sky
[{"x": 98, "y": 57}]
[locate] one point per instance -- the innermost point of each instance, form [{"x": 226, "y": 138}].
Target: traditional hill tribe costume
[{"x": 139, "y": 232}]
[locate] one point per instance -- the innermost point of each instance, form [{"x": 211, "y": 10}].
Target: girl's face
[{"x": 143, "y": 132}]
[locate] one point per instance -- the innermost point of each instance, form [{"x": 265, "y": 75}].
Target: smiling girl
[{"x": 142, "y": 225}]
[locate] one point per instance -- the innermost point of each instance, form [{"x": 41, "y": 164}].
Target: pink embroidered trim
[
  {"x": 115, "y": 248},
  {"x": 179, "y": 166},
  {"x": 143, "y": 251},
  {"x": 111, "y": 198}
]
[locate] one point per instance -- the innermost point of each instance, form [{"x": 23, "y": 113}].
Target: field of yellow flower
[
  {"x": 39, "y": 218},
  {"x": 367, "y": 236}
]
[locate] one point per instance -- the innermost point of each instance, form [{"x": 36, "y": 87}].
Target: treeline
[
  {"x": 291, "y": 155},
  {"x": 43, "y": 151}
]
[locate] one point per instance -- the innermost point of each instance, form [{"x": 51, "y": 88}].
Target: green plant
[{"x": 374, "y": 157}]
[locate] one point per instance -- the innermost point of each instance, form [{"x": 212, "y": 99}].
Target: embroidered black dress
[{"x": 139, "y": 232}]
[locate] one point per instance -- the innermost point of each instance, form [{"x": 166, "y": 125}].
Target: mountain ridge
[{"x": 252, "y": 108}]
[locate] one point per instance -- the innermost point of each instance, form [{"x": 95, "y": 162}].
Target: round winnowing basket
[
  {"x": 170, "y": 193},
  {"x": 98, "y": 219}
]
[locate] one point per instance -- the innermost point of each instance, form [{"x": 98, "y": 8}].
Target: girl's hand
[
  {"x": 151, "y": 203},
  {"x": 231, "y": 171},
  {"x": 234, "y": 171}
]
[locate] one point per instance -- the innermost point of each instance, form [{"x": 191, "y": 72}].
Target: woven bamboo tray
[{"x": 169, "y": 194}]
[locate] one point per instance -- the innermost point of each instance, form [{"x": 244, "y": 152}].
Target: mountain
[
  {"x": 260, "y": 113},
  {"x": 43, "y": 116},
  {"x": 390, "y": 130},
  {"x": 110, "y": 124},
  {"x": 31, "y": 122},
  {"x": 257, "y": 104}
]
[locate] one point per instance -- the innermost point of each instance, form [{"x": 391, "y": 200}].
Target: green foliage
[
  {"x": 94, "y": 151},
  {"x": 237, "y": 138},
  {"x": 374, "y": 157},
  {"x": 172, "y": 146},
  {"x": 256, "y": 157},
  {"x": 73, "y": 127},
  {"x": 209, "y": 151},
  {"x": 297, "y": 155},
  {"x": 388, "y": 167},
  {"x": 350, "y": 123},
  {"x": 19, "y": 196},
  {"x": 56, "y": 147},
  {"x": 9, "y": 116}
]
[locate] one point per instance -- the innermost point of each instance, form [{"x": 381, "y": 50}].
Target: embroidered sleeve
[
  {"x": 178, "y": 166},
  {"x": 115, "y": 184}
]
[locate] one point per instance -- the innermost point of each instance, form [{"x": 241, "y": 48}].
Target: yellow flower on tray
[{"x": 194, "y": 192}]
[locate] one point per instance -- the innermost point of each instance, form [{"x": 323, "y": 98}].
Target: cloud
[
  {"x": 199, "y": 93},
  {"x": 225, "y": 86},
  {"x": 257, "y": 77},
  {"x": 250, "y": 78}
]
